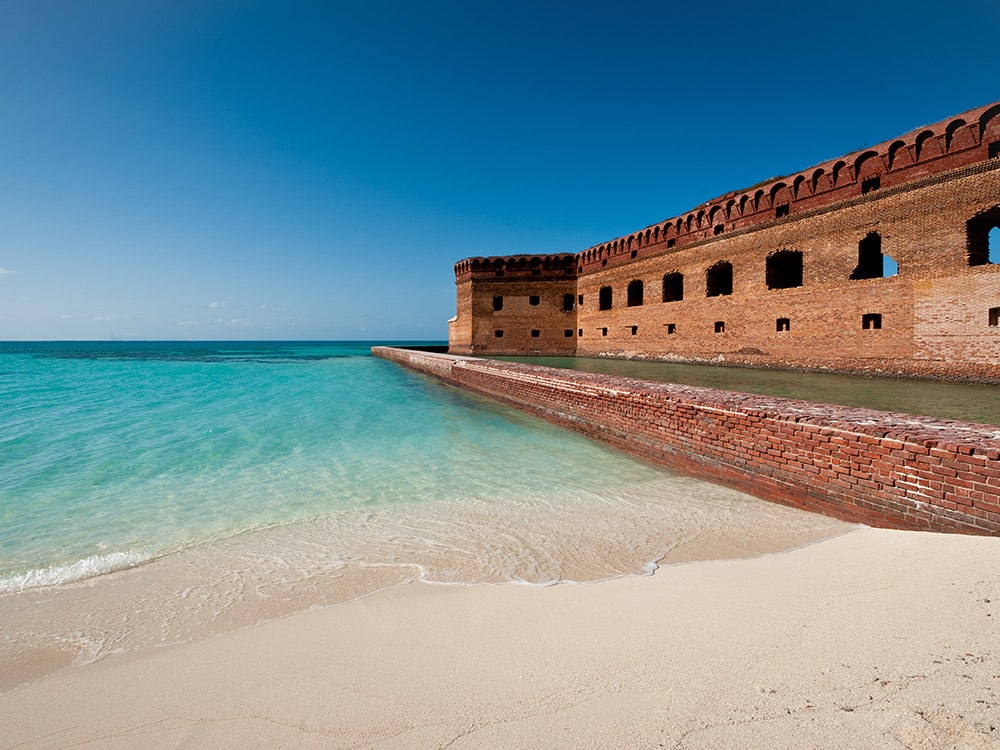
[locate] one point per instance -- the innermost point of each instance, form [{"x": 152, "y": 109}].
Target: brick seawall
[{"x": 879, "y": 468}]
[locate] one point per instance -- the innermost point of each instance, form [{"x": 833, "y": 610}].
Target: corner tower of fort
[{"x": 799, "y": 272}]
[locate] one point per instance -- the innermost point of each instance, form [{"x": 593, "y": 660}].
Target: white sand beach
[{"x": 869, "y": 639}]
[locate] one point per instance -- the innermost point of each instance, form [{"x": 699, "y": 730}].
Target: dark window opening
[
  {"x": 718, "y": 229},
  {"x": 497, "y": 304},
  {"x": 673, "y": 287},
  {"x": 498, "y": 273},
  {"x": 994, "y": 150},
  {"x": 534, "y": 299},
  {"x": 871, "y": 321},
  {"x": 604, "y": 298},
  {"x": 671, "y": 328},
  {"x": 784, "y": 269},
  {"x": 635, "y": 293},
  {"x": 604, "y": 263},
  {"x": 536, "y": 272},
  {"x": 783, "y": 324},
  {"x": 580, "y": 332},
  {"x": 781, "y": 211},
  {"x": 720, "y": 326},
  {"x": 719, "y": 279},
  {"x": 983, "y": 237},
  {"x": 498, "y": 334},
  {"x": 568, "y": 333},
  {"x": 995, "y": 316},
  {"x": 872, "y": 183},
  {"x": 871, "y": 262},
  {"x": 535, "y": 333},
  {"x": 671, "y": 243},
  {"x": 579, "y": 300},
  {"x": 604, "y": 331},
  {"x": 635, "y": 330},
  {"x": 635, "y": 253},
  {"x": 568, "y": 302}
]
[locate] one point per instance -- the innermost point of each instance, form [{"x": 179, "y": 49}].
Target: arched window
[
  {"x": 673, "y": 287},
  {"x": 982, "y": 237},
  {"x": 635, "y": 293},
  {"x": 719, "y": 279},
  {"x": 872, "y": 263},
  {"x": 784, "y": 269}
]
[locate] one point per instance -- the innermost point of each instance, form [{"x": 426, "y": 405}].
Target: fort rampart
[
  {"x": 883, "y": 261},
  {"x": 879, "y": 468}
]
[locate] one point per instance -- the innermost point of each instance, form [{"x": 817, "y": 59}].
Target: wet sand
[
  {"x": 268, "y": 574},
  {"x": 872, "y": 638}
]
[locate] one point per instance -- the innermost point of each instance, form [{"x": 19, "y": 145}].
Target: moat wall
[{"x": 879, "y": 468}]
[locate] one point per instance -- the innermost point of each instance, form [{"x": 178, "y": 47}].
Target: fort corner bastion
[
  {"x": 792, "y": 273},
  {"x": 798, "y": 272}
]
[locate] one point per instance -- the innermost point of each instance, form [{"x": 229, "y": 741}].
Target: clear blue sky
[{"x": 216, "y": 169}]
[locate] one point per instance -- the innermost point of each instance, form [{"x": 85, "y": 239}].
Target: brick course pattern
[
  {"x": 879, "y": 468},
  {"x": 786, "y": 274}
]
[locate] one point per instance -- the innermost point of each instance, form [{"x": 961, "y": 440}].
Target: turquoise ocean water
[
  {"x": 111, "y": 454},
  {"x": 148, "y": 490}
]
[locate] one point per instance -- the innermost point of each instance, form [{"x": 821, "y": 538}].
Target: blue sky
[{"x": 312, "y": 170}]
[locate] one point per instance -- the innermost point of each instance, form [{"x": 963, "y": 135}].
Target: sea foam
[{"x": 88, "y": 567}]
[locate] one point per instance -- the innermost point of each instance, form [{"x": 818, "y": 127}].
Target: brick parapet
[{"x": 881, "y": 468}]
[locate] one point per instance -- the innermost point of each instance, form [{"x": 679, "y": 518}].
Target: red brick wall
[
  {"x": 935, "y": 313},
  {"x": 879, "y": 468}
]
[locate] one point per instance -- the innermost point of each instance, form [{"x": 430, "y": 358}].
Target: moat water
[{"x": 961, "y": 401}]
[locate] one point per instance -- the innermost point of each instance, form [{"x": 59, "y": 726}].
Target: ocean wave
[{"x": 88, "y": 567}]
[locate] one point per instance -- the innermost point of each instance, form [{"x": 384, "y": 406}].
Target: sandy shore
[{"x": 871, "y": 639}]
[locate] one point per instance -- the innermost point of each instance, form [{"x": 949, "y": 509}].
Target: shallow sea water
[{"x": 155, "y": 493}]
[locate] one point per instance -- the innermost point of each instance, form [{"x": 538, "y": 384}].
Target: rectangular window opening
[
  {"x": 995, "y": 316},
  {"x": 718, "y": 229},
  {"x": 720, "y": 326},
  {"x": 579, "y": 300},
  {"x": 635, "y": 253},
  {"x": 871, "y": 321},
  {"x": 568, "y": 302},
  {"x": 604, "y": 298},
  {"x": 534, "y": 299},
  {"x": 568, "y": 333},
  {"x": 580, "y": 332},
  {"x": 635, "y": 330},
  {"x": 497, "y": 304},
  {"x": 994, "y": 150},
  {"x": 671, "y": 243},
  {"x": 671, "y": 328},
  {"x": 872, "y": 183},
  {"x": 604, "y": 331},
  {"x": 498, "y": 334},
  {"x": 781, "y": 211},
  {"x": 535, "y": 333},
  {"x": 783, "y": 324}
]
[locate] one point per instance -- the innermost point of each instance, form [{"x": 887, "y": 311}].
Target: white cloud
[
  {"x": 105, "y": 317},
  {"x": 233, "y": 323},
  {"x": 6, "y": 271},
  {"x": 64, "y": 316},
  {"x": 215, "y": 305},
  {"x": 272, "y": 308}
]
